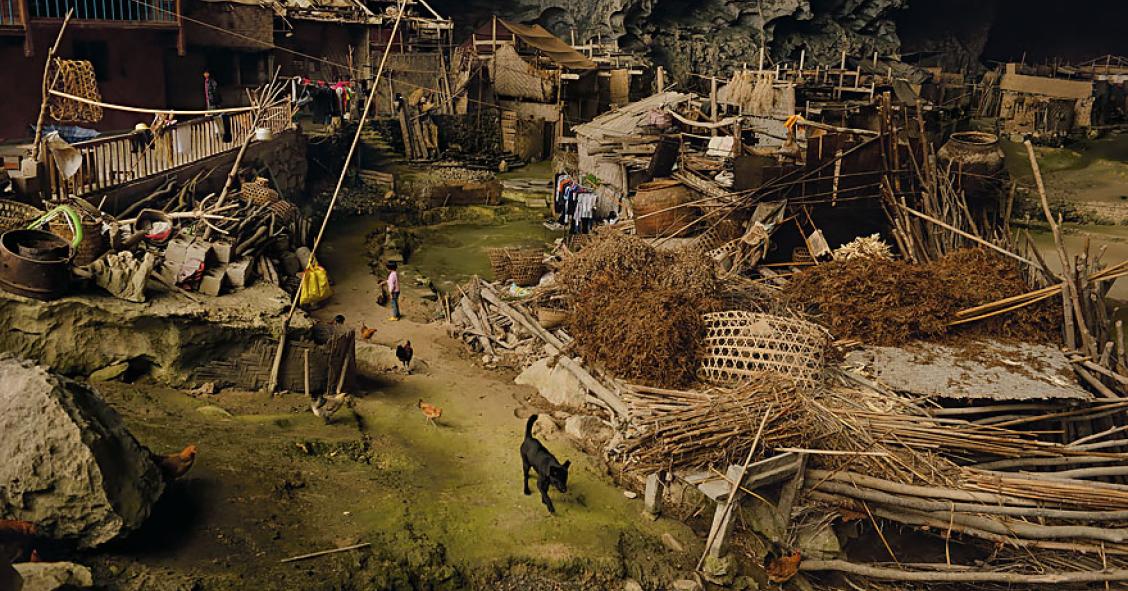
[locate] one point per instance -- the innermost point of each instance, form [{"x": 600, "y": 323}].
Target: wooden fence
[{"x": 108, "y": 162}]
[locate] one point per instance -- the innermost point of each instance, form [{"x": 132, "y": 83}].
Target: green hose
[{"x": 73, "y": 220}]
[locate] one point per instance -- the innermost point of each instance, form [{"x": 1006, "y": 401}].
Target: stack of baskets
[
  {"x": 15, "y": 215},
  {"x": 522, "y": 266}
]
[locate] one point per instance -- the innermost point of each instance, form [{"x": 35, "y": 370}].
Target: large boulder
[
  {"x": 69, "y": 466},
  {"x": 51, "y": 576},
  {"x": 555, "y": 384}
]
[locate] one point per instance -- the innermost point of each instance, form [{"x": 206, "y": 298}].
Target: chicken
[
  {"x": 326, "y": 406},
  {"x": 15, "y": 537},
  {"x": 366, "y": 332},
  {"x": 404, "y": 353},
  {"x": 430, "y": 411},
  {"x": 173, "y": 466}
]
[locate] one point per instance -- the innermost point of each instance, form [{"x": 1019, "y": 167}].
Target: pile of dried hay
[
  {"x": 637, "y": 310},
  {"x": 893, "y": 302}
]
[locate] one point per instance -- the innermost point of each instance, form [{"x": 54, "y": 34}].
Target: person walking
[
  {"x": 211, "y": 92},
  {"x": 394, "y": 289}
]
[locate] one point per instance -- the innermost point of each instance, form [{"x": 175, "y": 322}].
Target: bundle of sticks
[{"x": 686, "y": 429}]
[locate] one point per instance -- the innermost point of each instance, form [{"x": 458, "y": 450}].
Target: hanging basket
[
  {"x": 550, "y": 318},
  {"x": 739, "y": 345},
  {"x": 15, "y": 215}
]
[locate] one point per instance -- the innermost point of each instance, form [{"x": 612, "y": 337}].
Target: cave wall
[{"x": 717, "y": 36}]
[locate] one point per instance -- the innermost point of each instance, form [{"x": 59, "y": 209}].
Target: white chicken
[{"x": 326, "y": 406}]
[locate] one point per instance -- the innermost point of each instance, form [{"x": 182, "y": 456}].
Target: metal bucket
[{"x": 35, "y": 264}]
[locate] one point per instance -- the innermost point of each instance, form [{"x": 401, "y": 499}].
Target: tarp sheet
[{"x": 541, "y": 39}]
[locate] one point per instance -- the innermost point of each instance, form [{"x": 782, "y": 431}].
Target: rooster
[
  {"x": 366, "y": 332},
  {"x": 430, "y": 411},
  {"x": 326, "y": 406},
  {"x": 175, "y": 465},
  {"x": 404, "y": 353},
  {"x": 15, "y": 536}
]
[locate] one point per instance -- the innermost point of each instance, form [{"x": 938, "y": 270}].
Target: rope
[{"x": 145, "y": 110}]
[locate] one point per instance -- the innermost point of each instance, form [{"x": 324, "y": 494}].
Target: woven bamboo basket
[
  {"x": 526, "y": 267},
  {"x": 14, "y": 215},
  {"x": 259, "y": 193},
  {"x": 92, "y": 245},
  {"x": 550, "y": 318},
  {"x": 499, "y": 263},
  {"x": 740, "y": 344}
]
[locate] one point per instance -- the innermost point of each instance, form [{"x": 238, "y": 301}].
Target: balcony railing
[
  {"x": 123, "y": 11},
  {"x": 113, "y": 161},
  {"x": 10, "y": 13}
]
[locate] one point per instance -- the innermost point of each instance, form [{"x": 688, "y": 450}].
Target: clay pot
[
  {"x": 977, "y": 158},
  {"x": 656, "y": 208}
]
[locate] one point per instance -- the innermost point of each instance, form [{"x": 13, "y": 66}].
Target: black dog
[{"x": 550, "y": 472}]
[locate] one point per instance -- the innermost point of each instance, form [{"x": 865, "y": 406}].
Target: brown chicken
[
  {"x": 175, "y": 465},
  {"x": 15, "y": 537},
  {"x": 430, "y": 411},
  {"x": 366, "y": 332}
]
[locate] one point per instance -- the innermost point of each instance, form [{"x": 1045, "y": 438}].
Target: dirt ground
[{"x": 441, "y": 506}]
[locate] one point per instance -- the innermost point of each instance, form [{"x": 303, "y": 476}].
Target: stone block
[
  {"x": 222, "y": 251},
  {"x": 50, "y": 576},
  {"x": 555, "y": 384},
  {"x": 214, "y": 281},
  {"x": 241, "y": 272}
]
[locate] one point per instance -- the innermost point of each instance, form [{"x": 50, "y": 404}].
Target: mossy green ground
[{"x": 442, "y": 506}]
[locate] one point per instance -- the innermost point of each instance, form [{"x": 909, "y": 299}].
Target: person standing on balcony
[{"x": 211, "y": 92}]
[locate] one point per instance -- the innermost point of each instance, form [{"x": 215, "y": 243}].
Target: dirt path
[{"x": 464, "y": 477}]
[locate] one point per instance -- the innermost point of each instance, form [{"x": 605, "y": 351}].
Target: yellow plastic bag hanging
[{"x": 315, "y": 284}]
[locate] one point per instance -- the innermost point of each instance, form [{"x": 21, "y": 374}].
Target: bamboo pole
[
  {"x": 943, "y": 575},
  {"x": 280, "y": 352},
  {"x": 47, "y": 86}
]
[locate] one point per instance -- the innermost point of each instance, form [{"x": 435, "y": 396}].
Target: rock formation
[{"x": 69, "y": 465}]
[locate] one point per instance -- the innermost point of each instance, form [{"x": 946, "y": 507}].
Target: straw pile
[
  {"x": 637, "y": 311},
  {"x": 715, "y": 428},
  {"x": 893, "y": 302}
]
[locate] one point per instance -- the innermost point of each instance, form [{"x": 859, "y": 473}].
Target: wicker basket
[
  {"x": 93, "y": 244},
  {"x": 259, "y": 193},
  {"x": 550, "y": 318},
  {"x": 526, "y": 267},
  {"x": 740, "y": 344},
  {"x": 499, "y": 263},
  {"x": 14, "y": 215}
]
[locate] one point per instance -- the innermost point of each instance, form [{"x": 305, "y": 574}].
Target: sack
[{"x": 315, "y": 284}]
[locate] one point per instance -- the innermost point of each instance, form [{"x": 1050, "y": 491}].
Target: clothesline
[{"x": 127, "y": 109}]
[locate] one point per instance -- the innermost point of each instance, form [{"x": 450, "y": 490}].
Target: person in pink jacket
[{"x": 394, "y": 289}]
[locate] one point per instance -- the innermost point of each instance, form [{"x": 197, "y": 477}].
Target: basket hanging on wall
[
  {"x": 739, "y": 345},
  {"x": 75, "y": 77}
]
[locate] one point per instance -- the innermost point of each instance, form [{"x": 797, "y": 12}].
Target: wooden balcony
[
  {"x": 110, "y": 162},
  {"x": 107, "y": 13}
]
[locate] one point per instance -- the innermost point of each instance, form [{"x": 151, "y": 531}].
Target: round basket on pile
[
  {"x": 15, "y": 215},
  {"x": 92, "y": 245},
  {"x": 526, "y": 267},
  {"x": 499, "y": 263},
  {"x": 259, "y": 192},
  {"x": 739, "y": 345}
]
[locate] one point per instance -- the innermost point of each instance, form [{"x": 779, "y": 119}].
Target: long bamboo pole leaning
[
  {"x": 47, "y": 86},
  {"x": 278, "y": 354}
]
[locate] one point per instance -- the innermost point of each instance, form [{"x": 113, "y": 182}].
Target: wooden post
[
  {"x": 713, "y": 102},
  {"x": 181, "y": 42},
  {"x": 802, "y": 61},
  {"x": 761, "y": 66},
  {"x": 25, "y": 20},
  {"x": 493, "y": 40},
  {"x": 47, "y": 86},
  {"x": 660, "y": 80}
]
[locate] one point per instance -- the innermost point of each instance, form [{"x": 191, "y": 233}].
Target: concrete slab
[{"x": 985, "y": 369}]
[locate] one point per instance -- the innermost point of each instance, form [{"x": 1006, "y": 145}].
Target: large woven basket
[
  {"x": 93, "y": 244},
  {"x": 740, "y": 344},
  {"x": 499, "y": 263},
  {"x": 526, "y": 267},
  {"x": 14, "y": 215}
]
